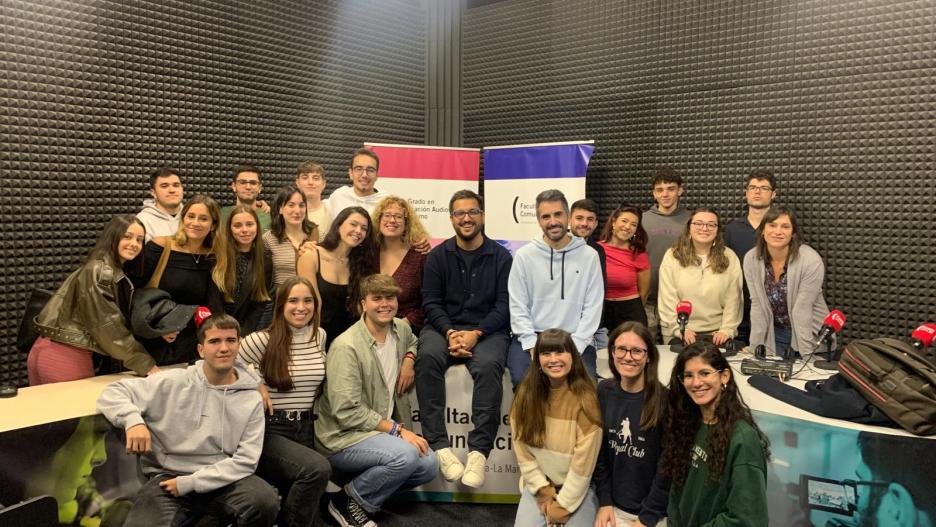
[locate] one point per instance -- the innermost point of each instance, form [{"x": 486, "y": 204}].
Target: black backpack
[{"x": 895, "y": 377}]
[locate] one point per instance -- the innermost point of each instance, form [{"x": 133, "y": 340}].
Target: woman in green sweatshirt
[{"x": 713, "y": 451}]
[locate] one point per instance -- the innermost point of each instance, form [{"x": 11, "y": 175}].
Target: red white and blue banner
[
  {"x": 514, "y": 175},
  {"x": 427, "y": 176}
]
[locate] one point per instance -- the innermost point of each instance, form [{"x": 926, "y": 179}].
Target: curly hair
[
  {"x": 685, "y": 253},
  {"x": 638, "y": 242},
  {"x": 684, "y": 418},
  {"x": 412, "y": 228}
]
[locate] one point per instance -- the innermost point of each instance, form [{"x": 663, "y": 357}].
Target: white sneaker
[
  {"x": 474, "y": 469},
  {"x": 449, "y": 464}
]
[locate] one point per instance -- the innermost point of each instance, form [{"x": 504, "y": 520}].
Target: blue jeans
[
  {"x": 528, "y": 514},
  {"x": 782, "y": 338},
  {"x": 518, "y": 361},
  {"x": 383, "y": 464}
]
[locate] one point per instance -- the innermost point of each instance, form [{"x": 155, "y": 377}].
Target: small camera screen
[{"x": 830, "y": 495}]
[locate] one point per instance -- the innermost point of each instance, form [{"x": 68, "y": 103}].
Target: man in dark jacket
[{"x": 467, "y": 319}]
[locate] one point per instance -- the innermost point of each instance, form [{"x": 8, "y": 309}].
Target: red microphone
[
  {"x": 201, "y": 314},
  {"x": 683, "y": 310},
  {"x": 922, "y": 337},
  {"x": 832, "y": 324}
]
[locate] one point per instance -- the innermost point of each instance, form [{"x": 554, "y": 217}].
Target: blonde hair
[
  {"x": 224, "y": 272},
  {"x": 413, "y": 228}
]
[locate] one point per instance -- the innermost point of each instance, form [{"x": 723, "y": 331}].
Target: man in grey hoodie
[
  {"x": 664, "y": 222},
  {"x": 555, "y": 282},
  {"x": 199, "y": 431},
  {"x": 160, "y": 215}
]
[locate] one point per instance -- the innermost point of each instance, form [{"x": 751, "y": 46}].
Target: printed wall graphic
[
  {"x": 514, "y": 175},
  {"x": 427, "y": 176}
]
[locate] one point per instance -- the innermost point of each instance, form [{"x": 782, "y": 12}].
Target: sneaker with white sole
[
  {"x": 474, "y": 469},
  {"x": 449, "y": 465},
  {"x": 347, "y": 512}
]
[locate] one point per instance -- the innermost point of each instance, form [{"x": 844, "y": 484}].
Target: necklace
[
  {"x": 332, "y": 258},
  {"x": 197, "y": 258}
]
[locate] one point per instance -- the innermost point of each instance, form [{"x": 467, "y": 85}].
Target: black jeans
[
  {"x": 486, "y": 367},
  {"x": 289, "y": 463},
  {"x": 251, "y": 502},
  {"x": 616, "y": 312}
]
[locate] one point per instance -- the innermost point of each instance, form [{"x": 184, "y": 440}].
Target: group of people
[{"x": 324, "y": 313}]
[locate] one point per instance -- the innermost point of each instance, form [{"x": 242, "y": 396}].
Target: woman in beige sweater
[{"x": 556, "y": 427}]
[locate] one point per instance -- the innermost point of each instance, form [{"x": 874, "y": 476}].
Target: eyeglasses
[
  {"x": 762, "y": 188},
  {"x": 703, "y": 226},
  {"x": 359, "y": 170},
  {"x": 248, "y": 182},
  {"x": 635, "y": 353},
  {"x": 459, "y": 214},
  {"x": 703, "y": 375},
  {"x": 392, "y": 216}
]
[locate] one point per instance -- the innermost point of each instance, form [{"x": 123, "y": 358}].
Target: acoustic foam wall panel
[
  {"x": 96, "y": 94},
  {"x": 838, "y": 98}
]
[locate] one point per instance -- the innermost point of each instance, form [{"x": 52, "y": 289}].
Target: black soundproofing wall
[
  {"x": 95, "y": 94},
  {"x": 838, "y": 98}
]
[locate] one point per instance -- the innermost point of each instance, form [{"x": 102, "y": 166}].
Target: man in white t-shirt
[{"x": 361, "y": 192}]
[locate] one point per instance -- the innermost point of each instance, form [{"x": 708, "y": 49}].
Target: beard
[{"x": 477, "y": 232}]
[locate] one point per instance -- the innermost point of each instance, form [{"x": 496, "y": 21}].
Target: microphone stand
[{"x": 829, "y": 363}]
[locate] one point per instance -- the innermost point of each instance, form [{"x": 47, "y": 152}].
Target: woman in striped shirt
[{"x": 289, "y": 356}]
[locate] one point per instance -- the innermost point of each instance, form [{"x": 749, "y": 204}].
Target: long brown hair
[
  {"x": 106, "y": 247},
  {"x": 653, "y": 402},
  {"x": 638, "y": 242},
  {"x": 533, "y": 393},
  {"x": 274, "y": 366},
  {"x": 684, "y": 418},
  {"x": 363, "y": 260},
  {"x": 685, "y": 254},
  {"x": 214, "y": 211},
  {"x": 224, "y": 272},
  {"x": 796, "y": 240}
]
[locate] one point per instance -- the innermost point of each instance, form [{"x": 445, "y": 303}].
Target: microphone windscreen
[
  {"x": 684, "y": 306},
  {"x": 835, "y": 320},
  {"x": 924, "y": 334}
]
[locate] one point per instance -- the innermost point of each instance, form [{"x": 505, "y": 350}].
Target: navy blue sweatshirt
[
  {"x": 455, "y": 297},
  {"x": 626, "y": 474}
]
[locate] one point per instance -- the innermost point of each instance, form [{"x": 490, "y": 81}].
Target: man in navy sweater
[{"x": 467, "y": 320}]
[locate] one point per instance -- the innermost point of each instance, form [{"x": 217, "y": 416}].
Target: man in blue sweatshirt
[
  {"x": 555, "y": 282},
  {"x": 199, "y": 431}
]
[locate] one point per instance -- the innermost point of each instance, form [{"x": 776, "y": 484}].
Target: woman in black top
[
  {"x": 185, "y": 273},
  {"x": 631, "y": 491},
  {"x": 347, "y": 255},
  {"x": 243, "y": 271}
]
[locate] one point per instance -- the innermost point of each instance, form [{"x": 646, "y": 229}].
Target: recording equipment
[
  {"x": 922, "y": 337},
  {"x": 683, "y": 310},
  {"x": 760, "y": 352},
  {"x": 829, "y": 495},
  {"x": 780, "y": 369},
  {"x": 832, "y": 324},
  {"x": 8, "y": 391}
]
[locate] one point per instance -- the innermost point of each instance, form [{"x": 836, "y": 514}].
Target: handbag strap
[{"x": 161, "y": 266}]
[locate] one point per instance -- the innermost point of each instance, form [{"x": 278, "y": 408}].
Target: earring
[{"x": 724, "y": 386}]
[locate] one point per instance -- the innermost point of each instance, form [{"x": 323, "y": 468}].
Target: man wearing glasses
[
  {"x": 247, "y": 186},
  {"x": 760, "y": 189},
  {"x": 361, "y": 192},
  {"x": 467, "y": 319}
]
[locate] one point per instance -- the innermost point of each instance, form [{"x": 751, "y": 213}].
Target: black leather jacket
[{"x": 85, "y": 312}]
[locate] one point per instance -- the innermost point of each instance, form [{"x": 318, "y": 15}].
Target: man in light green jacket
[{"x": 364, "y": 414}]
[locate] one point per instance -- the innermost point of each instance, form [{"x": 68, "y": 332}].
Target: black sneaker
[{"x": 347, "y": 512}]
